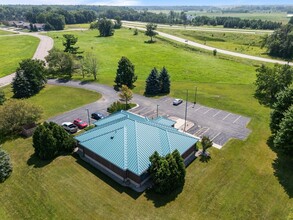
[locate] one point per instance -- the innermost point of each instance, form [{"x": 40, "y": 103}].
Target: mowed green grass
[
  {"x": 236, "y": 42},
  {"x": 182, "y": 63},
  {"x": 13, "y": 50},
  {"x": 5, "y": 32},
  {"x": 243, "y": 180}
]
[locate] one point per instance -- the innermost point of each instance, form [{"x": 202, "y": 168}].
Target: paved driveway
[{"x": 219, "y": 125}]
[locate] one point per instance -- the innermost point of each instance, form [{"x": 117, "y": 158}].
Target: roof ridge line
[{"x": 119, "y": 128}]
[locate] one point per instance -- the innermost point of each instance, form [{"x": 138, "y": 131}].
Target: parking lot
[{"x": 218, "y": 125}]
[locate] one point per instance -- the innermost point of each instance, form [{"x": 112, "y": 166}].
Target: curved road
[
  {"x": 46, "y": 44},
  {"x": 202, "y": 46}
]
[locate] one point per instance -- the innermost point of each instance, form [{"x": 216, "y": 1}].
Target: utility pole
[
  {"x": 186, "y": 109},
  {"x": 195, "y": 93},
  {"x": 158, "y": 110},
  {"x": 88, "y": 117}
]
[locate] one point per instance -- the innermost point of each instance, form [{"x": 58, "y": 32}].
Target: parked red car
[{"x": 79, "y": 123}]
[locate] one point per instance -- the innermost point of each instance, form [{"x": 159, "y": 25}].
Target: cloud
[{"x": 116, "y": 2}]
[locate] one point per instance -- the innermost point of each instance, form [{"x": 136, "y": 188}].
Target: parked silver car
[
  {"x": 177, "y": 101},
  {"x": 68, "y": 126}
]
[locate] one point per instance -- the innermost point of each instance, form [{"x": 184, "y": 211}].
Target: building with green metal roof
[{"x": 120, "y": 145}]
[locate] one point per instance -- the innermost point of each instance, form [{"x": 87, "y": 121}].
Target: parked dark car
[
  {"x": 68, "y": 126},
  {"x": 79, "y": 123},
  {"x": 177, "y": 101},
  {"x": 97, "y": 116}
]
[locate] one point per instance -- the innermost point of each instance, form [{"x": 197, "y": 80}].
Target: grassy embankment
[
  {"x": 236, "y": 42},
  {"x": 244, "y": 180},
  {"x": 13, "y": 50}
]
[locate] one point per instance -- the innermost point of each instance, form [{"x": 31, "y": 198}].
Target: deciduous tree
[
  {"x": 283, "y": 102},
  {"x": 206, "y": 144},
  {"x": 270, "y": 81},
  {"x": 125, "y": 94},
  {"x": 60, "y": 63},
  {"x": 284, "y": 136},
  {"x": 106, "y": 27},
  {"x": 16, "y": 113},
  {"x": 150, "y": 31}
]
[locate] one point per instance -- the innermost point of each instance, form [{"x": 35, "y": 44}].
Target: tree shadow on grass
[
  {"x": 36, "y": 162},
  {"x": 160, "y": 199},
  {"x": 149, "y": 41},
  {"x": 205, "y": 159},
  {"x": 283, "y": 168},
  {"x": 119, "y": 188}
]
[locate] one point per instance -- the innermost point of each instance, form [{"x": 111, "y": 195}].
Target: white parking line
[
  {"x": 237, "y": 119},
  {"x": 205, "y": 131},
  {"x": 207, "y": 111},
  {"x": 216, "y": 136},
  {"x": 226, "y": 116},
  {"x": 216, "y": 113},
  {"x": 198, "y": 109}
]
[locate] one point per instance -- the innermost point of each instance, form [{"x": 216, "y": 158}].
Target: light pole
[
  {"x": 158, "y": 110},
  {"x": 88, "y": 116},
  {"x": 195, "y": 93},
  {"x": 186, "y": 109}
]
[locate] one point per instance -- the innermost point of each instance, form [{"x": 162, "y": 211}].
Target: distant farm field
[{"x": 13, "y": 50}]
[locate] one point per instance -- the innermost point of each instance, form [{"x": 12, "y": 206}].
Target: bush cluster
[{"x": 50, "y": 140}]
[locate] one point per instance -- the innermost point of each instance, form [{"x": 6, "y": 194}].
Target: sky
[{"x": 148, "y": 2}]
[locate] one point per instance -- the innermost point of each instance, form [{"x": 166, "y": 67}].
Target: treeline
[
  {"x": 234, "y": 22},
  {"x": 55, "y": 17}
]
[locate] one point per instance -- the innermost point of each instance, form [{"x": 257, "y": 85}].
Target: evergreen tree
[
  {"x": 2, "y": 97},
  {"x": 50, "y": 139},
  {"x": 5, "y": 165},
  {"x": 165, "y": 83},
  {"x": 167, "y": 173},
  {"x": 29, "y": 79},
  {"x": 125, "y": 73},
  {"x": 284, "y": 137},
  {"x": 69, "y": 41},
  {"x": 153, "y": 86},
  {"x": 282, "y": 104}
]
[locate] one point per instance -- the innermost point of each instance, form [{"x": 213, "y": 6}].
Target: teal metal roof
[
  {"x": 128, "y": 140},
  {"x": 164, "y": 121}
]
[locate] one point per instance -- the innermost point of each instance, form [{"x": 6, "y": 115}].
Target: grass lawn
[
  {"x": 5, "y": 32},
  {"x": 13, "y": 50},
  {"x": 243, "y": 180},
  {"x": 183, "y": 63}
]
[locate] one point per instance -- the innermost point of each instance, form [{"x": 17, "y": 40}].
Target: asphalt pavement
[{"x": 217, "y": 124}]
